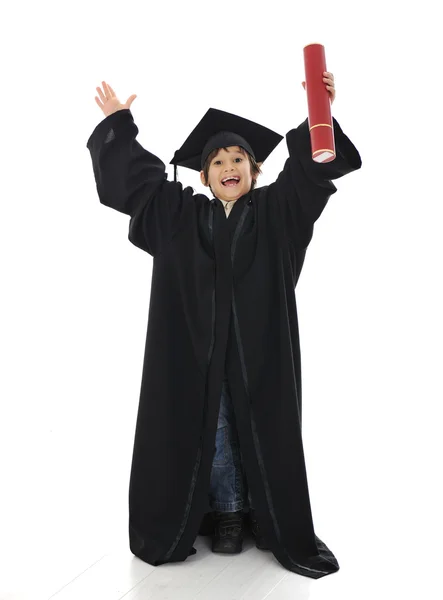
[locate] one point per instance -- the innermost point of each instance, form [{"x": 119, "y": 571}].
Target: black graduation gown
[{"x": 222, "y": 294}]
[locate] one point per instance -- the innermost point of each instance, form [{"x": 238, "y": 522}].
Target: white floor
[{"x": 64, "y": 530}]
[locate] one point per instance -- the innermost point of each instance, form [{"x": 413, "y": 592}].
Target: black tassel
[{"x": 175, "y": 172}]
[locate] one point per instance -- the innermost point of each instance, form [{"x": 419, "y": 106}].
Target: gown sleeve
[
  {"x": 133, "y": 181},
  {"x": 304, "y": 186}
]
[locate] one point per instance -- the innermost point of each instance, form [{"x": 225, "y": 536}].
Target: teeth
[{"x": 229, "y": 178}]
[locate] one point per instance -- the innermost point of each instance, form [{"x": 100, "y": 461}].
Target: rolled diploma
[{"x": 319, "y": 105}]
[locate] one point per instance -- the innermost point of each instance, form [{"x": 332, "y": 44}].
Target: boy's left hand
[{"x": 328, "y": 80}]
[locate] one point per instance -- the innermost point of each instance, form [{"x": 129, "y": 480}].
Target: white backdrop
[{"x": 76, "y": 292}]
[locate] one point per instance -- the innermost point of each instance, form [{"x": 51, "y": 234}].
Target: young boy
[{"x": 220, "y": 399}]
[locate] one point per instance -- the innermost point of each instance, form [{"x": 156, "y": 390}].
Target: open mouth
[{"x": 231, "y": 181}]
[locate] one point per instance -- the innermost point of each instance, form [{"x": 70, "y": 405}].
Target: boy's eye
[{"x": 218, "y": 162}]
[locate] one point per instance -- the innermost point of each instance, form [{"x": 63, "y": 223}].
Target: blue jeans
[{"x": 228, "y": 488}]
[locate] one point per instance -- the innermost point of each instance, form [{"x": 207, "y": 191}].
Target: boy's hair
[{"x": 255, "y": 169}]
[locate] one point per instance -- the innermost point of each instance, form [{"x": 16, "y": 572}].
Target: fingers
[
  {"x": 107, "y": 90},
  {"x": 100, "y": 93},
  {"x": 111, "y": 90},
  {"x": 130, "y": 100},
  {"x": 328, "y": 78}
]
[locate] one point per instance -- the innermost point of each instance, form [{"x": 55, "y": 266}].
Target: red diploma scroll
[{"x": 319, "y": 105}]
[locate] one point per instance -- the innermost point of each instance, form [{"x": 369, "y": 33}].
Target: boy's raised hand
[
  {"x": 108, "y": 101},
  {"x": 328, "y": 78}
]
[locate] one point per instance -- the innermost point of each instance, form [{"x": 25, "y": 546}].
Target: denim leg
[{"x": 228, "y": 481}]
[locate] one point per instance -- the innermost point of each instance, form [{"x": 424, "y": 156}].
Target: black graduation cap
[{"x": 220, "y": 129}]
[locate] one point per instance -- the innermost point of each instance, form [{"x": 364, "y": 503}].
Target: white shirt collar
[{"x": 228, "y": 205}]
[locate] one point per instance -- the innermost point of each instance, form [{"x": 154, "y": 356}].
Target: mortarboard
[{"x": 219, "y": 129}]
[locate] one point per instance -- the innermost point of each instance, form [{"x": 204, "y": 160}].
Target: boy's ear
[{"x": 202, "y": 178}]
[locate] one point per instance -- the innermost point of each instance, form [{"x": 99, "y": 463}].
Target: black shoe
[
  {"x": 228, "y": 532},
  {"x": 260, "y": 541}
]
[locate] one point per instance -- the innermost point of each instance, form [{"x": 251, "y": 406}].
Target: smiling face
[{"x": 229, "y": 174}]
